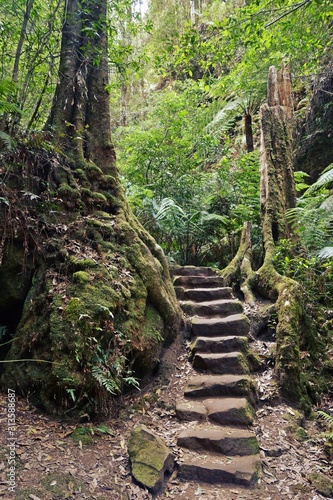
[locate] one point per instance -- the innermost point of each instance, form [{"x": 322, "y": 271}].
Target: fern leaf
[
  {"x": 328, "y": 203},
  {"x": 324, "y": 180},
  {"x": 7, "y": 143},
  {"x": 326, "y": 416},
  {"x": 326, "y": 253}
]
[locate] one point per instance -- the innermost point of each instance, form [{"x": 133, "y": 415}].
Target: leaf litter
[{"x": 101, "y": 470}]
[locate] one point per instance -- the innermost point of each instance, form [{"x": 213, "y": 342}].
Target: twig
[{"x": 293, "y": 8}]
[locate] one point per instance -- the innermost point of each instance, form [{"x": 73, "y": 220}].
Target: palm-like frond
[
  {"x": 325, "y": 180},
  {"x": 166, "y": 206},
  {"x": 328, "y": 203},
  {"x": 7, "y": 143},
  {"x": 7, "y": 91},
  {"x": 326, "y": 253}
]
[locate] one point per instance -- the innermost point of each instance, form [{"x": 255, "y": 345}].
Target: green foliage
[
  {"x": 111, "y": 368},
  {"x": 329, "y": 420},
  {"x": 37, "y": 64},
  {"x": 315, "y": 274},
  {"x": 312, "y": 219},
  {"x": 183, "y": 179}
]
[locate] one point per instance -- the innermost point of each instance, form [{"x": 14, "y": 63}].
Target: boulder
[{"x": 151, "y": 460}]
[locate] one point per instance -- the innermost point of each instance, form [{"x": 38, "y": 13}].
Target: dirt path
[{"x": 58, "y": 459}]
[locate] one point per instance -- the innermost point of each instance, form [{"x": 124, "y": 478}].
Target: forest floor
[{"x": 61, "y": 459}]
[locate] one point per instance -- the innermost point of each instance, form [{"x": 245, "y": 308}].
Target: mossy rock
[
  {"x": 150, "y": 459},
  {"x": 322, "y": 483},
  {"x": 81, "y": 277},
  {"x": 301, "y": 435}
]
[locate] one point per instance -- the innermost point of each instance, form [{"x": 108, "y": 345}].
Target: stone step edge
[{"x": 242, "y": 471}]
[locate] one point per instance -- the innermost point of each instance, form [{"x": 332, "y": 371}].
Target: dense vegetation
[{"x": 186, "y": 83}]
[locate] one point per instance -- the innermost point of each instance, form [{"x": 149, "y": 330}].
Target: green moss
[
  {"x": 86, "y": 192},
  {"x": 93, "y": 172},
  {"x": 145, "y": 474},
  {"x": 254, "y": 360},
  {"x": 66, "y": 191},
  {"x": 83, "y": 435},
  {"x": 61, "y": 485},
  {"x": 322, "y": 483},
  {"x": 81, "y": 277},
  {"x": 243, "y": 363},
  {"x": 82, "y": 264},
  {"x": 99, "y": 198},
  {"x": 80, "y": 173},
  {"x": 73, "y": 309},
  {"x": 243, "y": 416},
  {"x": 149, "y": 457},
  {"x": 301, "y": 434}
]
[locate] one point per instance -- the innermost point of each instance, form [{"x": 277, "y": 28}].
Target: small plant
[{"x": 329, "y": 419}]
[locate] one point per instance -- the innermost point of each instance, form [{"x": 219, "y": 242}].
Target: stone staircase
[{"x": 218, "y": 404}]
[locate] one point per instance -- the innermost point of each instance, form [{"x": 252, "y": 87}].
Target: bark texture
[
  {"x": 99, "y": 303},
  {"x": 277, "y": 194}
]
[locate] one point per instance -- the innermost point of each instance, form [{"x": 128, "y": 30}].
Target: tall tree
[
  {"x": 277, "y": 194},
  {"x": 101, "y": 301}
]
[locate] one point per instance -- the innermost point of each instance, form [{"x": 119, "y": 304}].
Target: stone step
[
  {"x": 220, "y": 307},
  {"x": 221, "y": 363},
  {"x": 217, "y": 469},
  {"x": 198, "y": 281},
  {"x": 219, "y": 344},
  {"x": 223, "y": 411},
  {"x": 225, "y": 440},
  {"x": 236, "y": 324},
  {"x": 193, "y": 271},
  {"x": 203, "y": 294},
  {"x": 207, "y": 386}
]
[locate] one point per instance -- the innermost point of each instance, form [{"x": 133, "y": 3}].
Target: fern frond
[
  {"x": 325, "y": 416},
  {"x": 7, "y": 143},
  {"x": 167, "y": 205},
  {"x": 328, "y": 203},
  {"x": 324, "y": 180},
  {"x": 326, "y": 253},
  {"x": 103, "y": 378}
]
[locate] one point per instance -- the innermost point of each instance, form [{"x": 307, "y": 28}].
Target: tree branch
[{"x": 293, "y": 8}]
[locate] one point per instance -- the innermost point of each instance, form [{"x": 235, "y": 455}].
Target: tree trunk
[
  {"x": 277, "y": 194},
  {"x": 248, "y": 132},
  {"x": 101, "y": 300}
]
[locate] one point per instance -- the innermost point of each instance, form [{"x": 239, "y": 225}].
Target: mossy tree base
[
  {"x": 100, "y": 297},
  {"x": 277, "y": 195}
]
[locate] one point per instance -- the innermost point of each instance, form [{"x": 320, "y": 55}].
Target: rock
[
  {"x": 214, "y": 470},
  {"x": 236, "y": 324},
  {"x": 219, "y": 344},
  {"x": 150, "y": 459},
  {"x": 228, "y": 441},
  {"x": 322, "y": 483},
  {"x": 221, "y": 307},
  {"x": 193, "y": 271},
  {"x": 221, "y": 385},
  {"x": 221, "y": 363},
  {"x": 199, "y": 281},
  {"x": 204, "y": 294}
]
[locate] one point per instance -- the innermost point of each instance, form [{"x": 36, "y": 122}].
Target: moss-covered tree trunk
[
  {"x": 99, "y": 303},
  {"x": 277, "y": 194}
]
